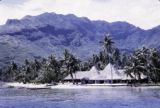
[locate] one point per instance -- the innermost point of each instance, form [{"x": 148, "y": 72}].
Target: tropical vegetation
[{"x": 139, "y": 63}]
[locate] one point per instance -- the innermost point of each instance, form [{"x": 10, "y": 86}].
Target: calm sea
[{"x": 116, "y": 97}]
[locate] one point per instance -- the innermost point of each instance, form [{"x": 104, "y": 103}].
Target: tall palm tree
[
  {"x": 108, "y": 47},
  {"x": 108, "y": 44}
]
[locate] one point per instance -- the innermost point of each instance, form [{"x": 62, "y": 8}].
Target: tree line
[
  {"x": 142, "y": 62},
  {"x": 44, "y": 70}
]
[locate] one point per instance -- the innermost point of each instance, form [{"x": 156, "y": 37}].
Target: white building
[{"x": 110, "y": 73}]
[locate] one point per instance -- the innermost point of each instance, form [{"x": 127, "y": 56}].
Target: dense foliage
[
  {"x": 140, "y": 63},
  {"x": 144, "y": 62},
  {"x": 50, "y": 70}
]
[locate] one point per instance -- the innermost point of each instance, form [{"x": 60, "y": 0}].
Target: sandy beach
[
  {"x": 27, "y": 85},
  {"x": 69, "y": 86}
]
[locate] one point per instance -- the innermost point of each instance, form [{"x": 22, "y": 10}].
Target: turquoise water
[{"x": 117, "y": 97}]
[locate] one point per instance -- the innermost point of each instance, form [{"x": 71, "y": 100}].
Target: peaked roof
[
  {"x": 109, "y": 67},
  {"x": 93, "y": 73},
  {"x": 108, "y": 73},
  {"x": 85, "y": 74},
  {"x": 93, "y": 69}
]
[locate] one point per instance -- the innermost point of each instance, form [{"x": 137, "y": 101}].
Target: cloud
[
  {"x": 12, "y": 2},
  {"x": 142, "y": 13}
]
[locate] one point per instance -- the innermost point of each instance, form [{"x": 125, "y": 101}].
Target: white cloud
[{"x": 142, "y": 13}]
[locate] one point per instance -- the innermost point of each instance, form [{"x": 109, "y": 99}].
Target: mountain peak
[
  {"x": 12, "y": 21},
  {"x": 51, "y": 32}
]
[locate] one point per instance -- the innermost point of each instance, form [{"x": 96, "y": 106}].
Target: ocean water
[{"x": 111, "y": 97}]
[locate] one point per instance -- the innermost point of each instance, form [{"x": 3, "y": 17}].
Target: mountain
[{"x": 51, "y": 33}]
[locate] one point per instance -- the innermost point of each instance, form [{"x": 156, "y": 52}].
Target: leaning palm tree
[
  {"x": 139, "y": 64},
  {"x": 134, "y": 68},
  {"x": 108, "y": 47}
]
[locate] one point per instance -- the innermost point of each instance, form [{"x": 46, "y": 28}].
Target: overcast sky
[{"x": 142, "y": 13}]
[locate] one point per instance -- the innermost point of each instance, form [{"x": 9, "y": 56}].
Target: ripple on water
[{"x": 123, "y": 97}]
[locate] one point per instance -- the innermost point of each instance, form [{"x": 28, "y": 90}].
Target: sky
[{"x": 142, "y": 13}]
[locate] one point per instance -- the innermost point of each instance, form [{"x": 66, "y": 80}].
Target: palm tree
[
  {"x": 108, "y": 47},
  {"x": 134, "y": 67},
  {"x": 107, "y": 43},
  {"x": 149, "y": 58},
  {"x": 94, "y": 60},
  {"x": 154, "y": 69},
  {"x": 55, "y": 65},
  {"x": 116, "y": 57},
  {"x": 14, "y": 69},
  {"x": 29, "y": 71},
  {"x": 9, "y": 73},
  {"x": 139, "y": 64},
  {"x": 71, "y": 64}
]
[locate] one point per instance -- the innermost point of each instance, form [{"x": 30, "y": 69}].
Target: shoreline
[
  {"x": 27, "y": 85},
  {"x": 34, "y": 86}
]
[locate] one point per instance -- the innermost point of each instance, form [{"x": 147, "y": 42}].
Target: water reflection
[{"x": 120, "y": 97}]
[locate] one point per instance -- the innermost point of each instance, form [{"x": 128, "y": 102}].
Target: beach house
[{"x": 108, "y": 75}]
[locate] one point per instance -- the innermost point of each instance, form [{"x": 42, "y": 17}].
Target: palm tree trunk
[
  {"x": 110, "y": 63},
  {"x": 71, "y": 75}
]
